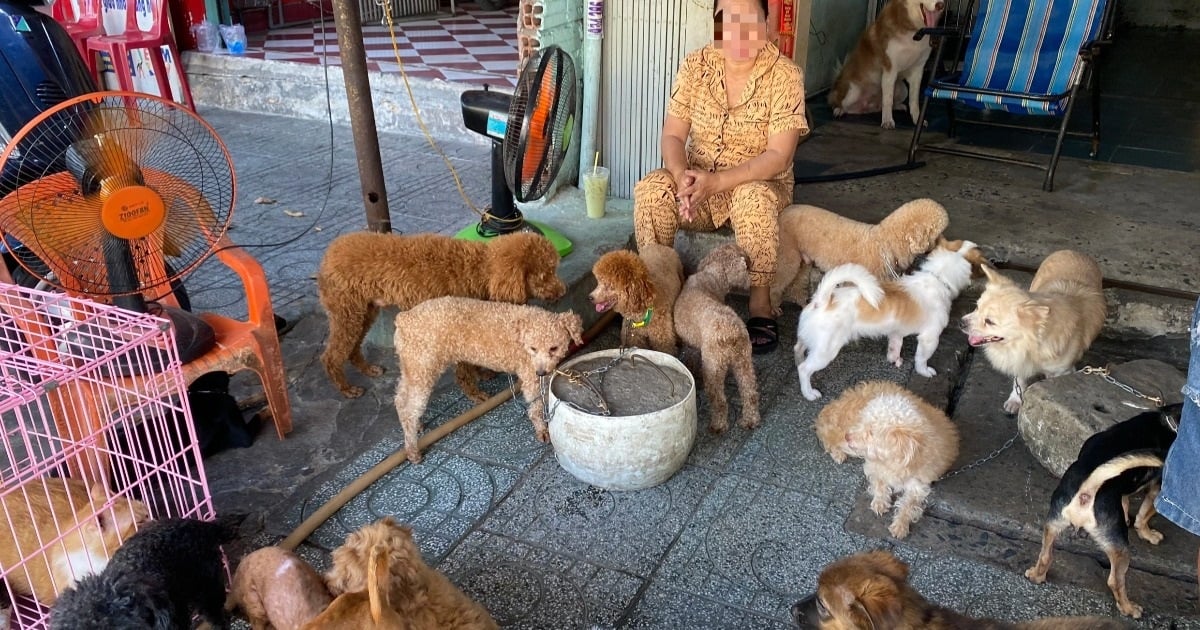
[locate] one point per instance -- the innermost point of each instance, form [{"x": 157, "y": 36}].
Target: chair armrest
[
  {"x": 254, "y": 279},
  {"x": 937, "y": 31}
]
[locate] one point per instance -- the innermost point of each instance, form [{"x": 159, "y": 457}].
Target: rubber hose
[{"x": 310, "y": 524}]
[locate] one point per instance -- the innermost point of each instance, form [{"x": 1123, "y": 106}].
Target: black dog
[
  {"x": 1093, "y": 494},
  {"x": 155, "y": 581}
]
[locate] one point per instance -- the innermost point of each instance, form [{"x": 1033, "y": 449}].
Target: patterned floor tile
[
  {"x": 524, "y": 586},
  {"x": 626, "y": 531},
  {"x": 751, "y": 545}
]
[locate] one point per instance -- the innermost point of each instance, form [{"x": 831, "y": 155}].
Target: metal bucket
[{"x": 624, "y": 452}]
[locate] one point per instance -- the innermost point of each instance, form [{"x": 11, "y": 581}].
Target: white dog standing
[
  {"x": 886, "y": 52},
  {"x": 850, "y": 303}
]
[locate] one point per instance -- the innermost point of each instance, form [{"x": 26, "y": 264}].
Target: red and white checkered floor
[{"x": 474, "y": 46}]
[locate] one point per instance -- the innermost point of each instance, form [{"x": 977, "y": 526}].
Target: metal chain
[
  {"x": 993, "y": 455},
  {"x": 1106, "y": 374},
  {"x": 595, "y": 390}
]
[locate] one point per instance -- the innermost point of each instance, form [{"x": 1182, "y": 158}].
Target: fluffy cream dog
[
  {"x": 850, "y": 303},
  {"x": 1044, "y": 330},
  {"x": 809, "y": 235},
  {"x": 906, "y": 443}
]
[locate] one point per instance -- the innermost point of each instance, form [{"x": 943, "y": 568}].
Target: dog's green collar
[{"x": 645, "y": 318}]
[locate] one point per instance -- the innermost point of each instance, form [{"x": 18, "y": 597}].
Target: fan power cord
[{"x": 485, "y": 215}]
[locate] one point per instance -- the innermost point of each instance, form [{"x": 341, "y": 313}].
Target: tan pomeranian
[
  {"x": 812, "y": 236},
  {"x": 905, "y": 442},
  {"x": 850, "y": 303},
  {"x": 1042, "y": 331},
  {"x": 80, "y": 533}
]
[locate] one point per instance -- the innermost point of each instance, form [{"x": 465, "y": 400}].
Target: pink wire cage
[{"x": 97, "y": 438}]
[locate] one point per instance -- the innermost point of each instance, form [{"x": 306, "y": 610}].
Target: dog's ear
[
  {"x": 888, "y": 564},
  {"x": 879, "y": 599},
  {"x": 1034, "y": 313},
  {"x": 573, "y": 324},
  {"x": 509, "y": 262},
  {"x": 993, "y": 275}
]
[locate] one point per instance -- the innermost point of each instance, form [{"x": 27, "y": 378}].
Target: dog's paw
[
  {"x": 926, "y": 371},
  {"x": 811, "y": 394},
  {"x": 899, "y": 529},
  {"x": 880, "y": 506},
  {"x": 1150, "y": 535},
  {"x": 352, "y": 391},
  {"x": 543, "y": 435},
  {"x": 477, "y": 396},
  {"x": 414, "y": 455},
  {"x": 838, "y": 112},
  {"x": 1012, "y": 406},
  {"x": 374, "y": 370},
  {"x": 888, "y": 123},
  {"x": 838, "y": 457},
  {"x": 717, "y": 428},
  {"x": 1035, "y": 576},
  {"x": 750, "y": 423},
  {"x": 1130, "y": 609}
]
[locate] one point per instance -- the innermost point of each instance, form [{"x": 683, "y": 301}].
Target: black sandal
[{"x": 760, "y": 328}]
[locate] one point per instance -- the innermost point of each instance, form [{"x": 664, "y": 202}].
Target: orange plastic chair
[
  {"x": 79, "y": 27},
  {"x": 118, "y": 48},
  {"x": 240, "y": 345}
]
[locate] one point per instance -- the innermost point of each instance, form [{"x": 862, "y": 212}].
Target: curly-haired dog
[
  {"x": 850, "y": 303},
  {"x": 370, "y": 609},
  {"x": 706, "y": 323},
  {"x": 156, "y": 581},
  {"x": 812, "y": 235},
  {"x": 905, "y": 442},
  {"x": 1094, "y": 492},
  {"x": 641, "y": 287},
  {"x": 277, "y": 589},
  {"x": 1044, "y": 330},
  {"x": 870, "y": 591},
  {"x": 424, "y": 598},
  {"x": 506, "y": 338},
  {"x": 363, "y": 271},
  {"x": 72, "y": 520}
]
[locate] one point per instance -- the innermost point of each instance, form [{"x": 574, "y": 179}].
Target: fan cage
[
  {"x": 55, "y": 211},
  {"x": 541, "y": 117}
]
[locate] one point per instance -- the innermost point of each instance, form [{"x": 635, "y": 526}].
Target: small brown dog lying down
[
  {"x": 812, "y": 235},
  {"x": 870, "y": 591},
  {"x": 706, "y": 323},
  {"x": 642, "y": 288},
  {"x": 360, "y": 610},
  {"x": 45, "y": 508},
  {"x": 276, "y": 588},
  {"x": 1044, "y": 330},
  {"x": 905, "y": 442},
  {"x": 425, "y": 599},
  {"x": 507, "y": 338},
  {"x": 363, "y": 271}
]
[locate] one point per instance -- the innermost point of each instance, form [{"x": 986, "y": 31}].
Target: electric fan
[
  {"x": 530, "y": 132},
  {"x": 146, "y": 194}
]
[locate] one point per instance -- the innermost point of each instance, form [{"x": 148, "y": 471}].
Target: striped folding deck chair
[{"x": 1026, "y": 57}]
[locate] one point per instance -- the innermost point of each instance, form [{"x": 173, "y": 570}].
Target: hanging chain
[{"x": 993, "y": 455}]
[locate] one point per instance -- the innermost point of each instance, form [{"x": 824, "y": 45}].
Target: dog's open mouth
[
  {"x": 931, "y": 17},
  {"x": 980, "y": 340},
  {"x": 603, "y": 306}
]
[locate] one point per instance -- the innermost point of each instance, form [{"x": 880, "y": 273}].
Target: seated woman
[{"x": 741, "y": 103}]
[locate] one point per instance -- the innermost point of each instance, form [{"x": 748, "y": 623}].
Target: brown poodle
[
  {"x": 370, "y": 609},
  {"x": 508, "y": 338},
  {"x": 276, "y": 588},
  {"x": 364, "y": 271},
  {"x": 812, "y": 235},
  {"x": 705, "y": 322},
  {"x": 642, "y": 287},
  {"x": 424, "y": 598}
]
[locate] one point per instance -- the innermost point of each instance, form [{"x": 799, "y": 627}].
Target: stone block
[{"x": 1058, "y": 414}]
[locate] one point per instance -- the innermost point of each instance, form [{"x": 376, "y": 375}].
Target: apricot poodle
[
  {"x": 642, "y": 288},
  {"x": 809, "y": 235},
  {"x": 364, "y": 271},
  {"x": 275, "y": 588},
  {"x": 508, "y": 338},
  {"x": 425, "y": 598},
  {"x": 706, "y": 323},
  {"x": 906, "y": 444},
  {"x": 369, "y": 609}
]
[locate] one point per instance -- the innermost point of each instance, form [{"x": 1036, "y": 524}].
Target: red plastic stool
[
  {"x": 159, "y": 35},
  {"x": 79, "y": 27}
]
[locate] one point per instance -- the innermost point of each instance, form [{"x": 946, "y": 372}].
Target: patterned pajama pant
[{"x": 753, "y": 210}]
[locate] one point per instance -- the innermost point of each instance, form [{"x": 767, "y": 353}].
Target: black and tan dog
[
  {"x": 1093, "y": 494},
  {"x": 870, "y": 591}
]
